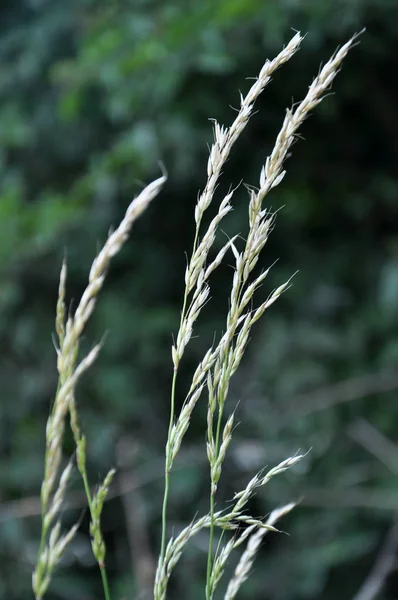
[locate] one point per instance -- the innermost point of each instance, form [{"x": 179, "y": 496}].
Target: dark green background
[{"x": 92, "y": 96}]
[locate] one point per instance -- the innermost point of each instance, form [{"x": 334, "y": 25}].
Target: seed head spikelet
[{"x": 246, "y": 561}]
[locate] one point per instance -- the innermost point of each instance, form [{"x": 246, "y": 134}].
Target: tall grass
[{"x": 211, "y": 379}]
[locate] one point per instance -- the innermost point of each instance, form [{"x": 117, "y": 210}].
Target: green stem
[
  {"x": 213, "y": 504},
  {"x": 171, "y": 423},
  {"x": 87, "y": 490},
  {"x": 210, "y": 552},
  {"x": 167, "y": 470},
  {"x": 105, "y": 585}
]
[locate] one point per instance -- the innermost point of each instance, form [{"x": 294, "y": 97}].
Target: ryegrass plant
[{"x": 213, "y": 374}]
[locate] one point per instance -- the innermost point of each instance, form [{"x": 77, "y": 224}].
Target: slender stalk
[
  {"x": 167, "y": 468},
  {"x": 171, "y": 423},
  {"x": 87, "y": 490},
  {"x": 210, "y": 551},
  {"x": 212, "y": 511},
  {"x": 221, "y": 404},
  {"x": 105, "y": 583}
]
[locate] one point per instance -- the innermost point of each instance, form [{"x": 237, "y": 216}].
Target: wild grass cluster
[{"x": 231, "y": 527}]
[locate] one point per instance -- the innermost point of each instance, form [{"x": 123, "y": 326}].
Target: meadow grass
[{"x": 211, "y": 379}]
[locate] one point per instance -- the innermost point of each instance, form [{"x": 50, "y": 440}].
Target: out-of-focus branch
[
  {"x": 376, "y": 443},
  {"x": 30, "y": 506},
  {"x": 142, "y": 561},
  {"x": 343, "y": 391},
  {"x": 386, "y": 562},
  {"x": 350, "y": 497}
]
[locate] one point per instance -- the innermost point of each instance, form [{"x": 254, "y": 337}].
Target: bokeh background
[{"x": 92, "y": 96}]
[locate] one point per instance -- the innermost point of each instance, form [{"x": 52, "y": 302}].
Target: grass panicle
[
  {"x": 69, "y": 331},
  {"x": 212, "y": 376},
  {"x": 214, "y": 373}
]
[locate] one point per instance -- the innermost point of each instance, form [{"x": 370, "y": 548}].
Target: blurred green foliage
[{"x": 92, "y": 96}]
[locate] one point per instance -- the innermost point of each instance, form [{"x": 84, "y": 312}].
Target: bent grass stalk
[{"x": 69, "y": 331}]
